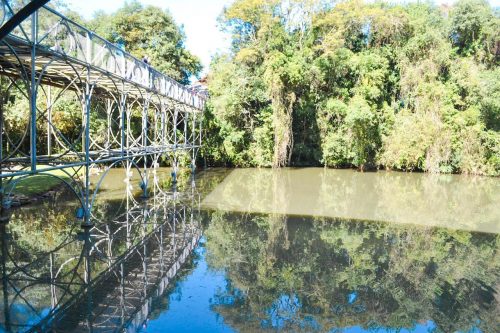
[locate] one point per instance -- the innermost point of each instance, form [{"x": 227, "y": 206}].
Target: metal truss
[
  {"x": 104, "y": 278},
  {"x": 123, "y": 111}
]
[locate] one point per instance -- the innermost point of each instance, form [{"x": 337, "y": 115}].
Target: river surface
[{"x": 260, "y": 250}]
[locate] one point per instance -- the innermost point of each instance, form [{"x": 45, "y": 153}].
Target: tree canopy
[
  {"x": 401, "y": 86},
  {"x": 151, "y": 31}
]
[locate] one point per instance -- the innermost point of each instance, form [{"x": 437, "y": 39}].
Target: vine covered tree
[{"x": 402, "y": 86}]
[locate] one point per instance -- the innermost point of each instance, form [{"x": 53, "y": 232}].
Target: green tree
[
  {"x": 355, "y": 84},
  {"x": 475, "y": 29},
  {"x": 149, "y": 31}
]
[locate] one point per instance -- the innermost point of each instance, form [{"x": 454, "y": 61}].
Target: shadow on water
[{"x": 277, "y": 254}]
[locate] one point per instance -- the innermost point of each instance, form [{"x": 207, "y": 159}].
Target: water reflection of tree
[{"x": 344, "y": 273}]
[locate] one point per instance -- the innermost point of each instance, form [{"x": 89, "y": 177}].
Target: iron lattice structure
[{"x": 123, "y": 111}]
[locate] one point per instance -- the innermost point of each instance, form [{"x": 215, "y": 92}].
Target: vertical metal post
[
  {"x": 174, "y": 166},
  {"x": 163, "y": 137},
  {"x": 163, "y": 125},
  {"x": 88, "y": 278},
  {"x": 53, "y": 294},
  {"x": 123, "y": 110},
  {"x": 162, "y": 252},
  {"x": 33, "y": 90},
  {"x": 88, "y": 96},
  {"x": 186, "y": 137},
  {"x": 174, "y": 229},
  {"x": 87, "y": 273},
  {"x": 200, "y": 132},
  {"x": 176, "y": 116},
  {"x": 201, "y": 129},
  {"x": 186, "y": 121},
  {"x": 129, "y": 194},
  {"x": 193, "y": 145},
  {"x": 109, "y": 115},
  {"x": 122, "y": 294},
  {"x": 145, "y": 108},
  {"x": 109, "y": 252},
  {"x": 144, "y": 249},
  {"x": 145, "y": 175},
  {"x": 5, "y": 285},
  {"x": 145, "y": 272},
  {"x": 49, "y": 121}
]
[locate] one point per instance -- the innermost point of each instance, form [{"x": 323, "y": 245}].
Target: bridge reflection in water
[{"x": 100, "y": 279}]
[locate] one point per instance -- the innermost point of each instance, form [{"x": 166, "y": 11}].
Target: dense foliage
[{"x": 408, "y": 87}]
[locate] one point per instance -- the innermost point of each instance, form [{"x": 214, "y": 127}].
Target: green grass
[{"x": 37, "y": 184}]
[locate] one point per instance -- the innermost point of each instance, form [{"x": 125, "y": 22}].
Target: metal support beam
[
  {"x": 87, "y": 103},
  {"x": 33, "y": 91},
  {"x": 49, "y": 120},
  {"x": 20, "y": 16}
]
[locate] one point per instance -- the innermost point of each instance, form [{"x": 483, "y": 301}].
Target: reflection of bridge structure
[
  {"x": 102, "y": 279},
  {"x": 123, "y": 110}
]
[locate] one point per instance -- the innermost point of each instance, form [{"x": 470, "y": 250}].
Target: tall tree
[
  {"x": 410, "y": 87},
  {"x": 149, "y": 31}
]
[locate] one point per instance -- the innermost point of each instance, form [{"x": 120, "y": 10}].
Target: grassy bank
[{"x": 37, "y": 184}]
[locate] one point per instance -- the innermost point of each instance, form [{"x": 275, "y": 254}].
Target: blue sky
[{"x": 199, "y": 18}]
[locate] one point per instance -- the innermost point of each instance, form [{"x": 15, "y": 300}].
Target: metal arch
[
  {"x": 103, "y": 176},
  {"x": 74, "y": 82}
]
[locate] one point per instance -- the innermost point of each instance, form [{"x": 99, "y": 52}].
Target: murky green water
[
  {"x": 450, "y": 201},
  {"x": 294, "y": 250}
]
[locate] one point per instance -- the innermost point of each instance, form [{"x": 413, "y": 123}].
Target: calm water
[
  {"x": 450, "y": 201},
  {"x": 247, "y": 250}
]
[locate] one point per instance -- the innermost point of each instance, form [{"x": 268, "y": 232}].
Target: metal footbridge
[
  {"x": 72, "y": 103},
  {"x": 125, "y": 113}
]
